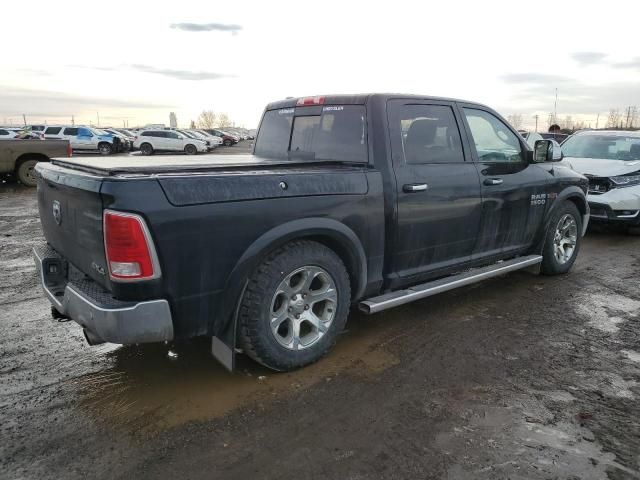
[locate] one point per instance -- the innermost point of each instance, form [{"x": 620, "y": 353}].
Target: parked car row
[{"x": 115, "y": 140}]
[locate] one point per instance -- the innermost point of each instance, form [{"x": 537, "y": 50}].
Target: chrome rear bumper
[{"x": 103, "y": 317}]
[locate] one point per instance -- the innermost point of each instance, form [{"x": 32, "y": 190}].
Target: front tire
[
  {"x": 105, "y": 149},
  {"x": 26, "y": 173},
  {"x": 562, "y": 240},
  {"x": 227, "y": 143},
  {"x": 295, "y": 305},
  {"x": 190, "y": 149}
]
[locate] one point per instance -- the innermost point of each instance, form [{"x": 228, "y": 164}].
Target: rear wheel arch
[
  {"x": 330, "y": 233},
  {"x": 30, "y": 156}
]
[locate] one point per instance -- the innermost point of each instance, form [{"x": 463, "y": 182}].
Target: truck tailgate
[{"x": 70, "y": 208}]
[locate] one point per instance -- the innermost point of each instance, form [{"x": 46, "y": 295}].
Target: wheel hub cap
[
  {"x": 565, "y": 239},
  {"x": 303, "y": 307}
]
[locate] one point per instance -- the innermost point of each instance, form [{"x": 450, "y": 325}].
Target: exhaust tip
[{"x": 91, "y": 338}]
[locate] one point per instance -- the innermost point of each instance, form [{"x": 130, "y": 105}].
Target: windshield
[
  {"x": 337, "y": 133},
  {"x": 607, "y": 147}
]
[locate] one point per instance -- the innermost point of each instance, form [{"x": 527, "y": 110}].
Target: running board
[{"x": 400, "y": 297}]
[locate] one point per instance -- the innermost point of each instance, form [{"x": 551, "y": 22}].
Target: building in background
[{"x": 173, "y": 120}]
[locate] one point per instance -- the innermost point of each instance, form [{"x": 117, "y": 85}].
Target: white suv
[
  {"x": 150, "y": 141},
  {"x": 611, "y": 162}
]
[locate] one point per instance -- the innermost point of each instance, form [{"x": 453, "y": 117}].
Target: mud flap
[
  {"x": 223, "y": 347},
  {"x": 221, "y": 352}
]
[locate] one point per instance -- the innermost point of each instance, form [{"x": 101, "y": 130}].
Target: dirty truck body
[{"x": 367, "y": 200}]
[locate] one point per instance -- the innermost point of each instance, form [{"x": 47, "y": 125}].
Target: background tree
[
  {"x": 224, "y": 120},
  {"x": 613, "y": 120},
  {"x": 207, "y": 119}
]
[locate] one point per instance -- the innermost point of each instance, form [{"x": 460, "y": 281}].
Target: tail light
[{"x": 130, "y": 252}]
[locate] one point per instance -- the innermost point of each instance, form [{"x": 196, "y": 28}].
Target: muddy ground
[{"x": 520, "y": 377}]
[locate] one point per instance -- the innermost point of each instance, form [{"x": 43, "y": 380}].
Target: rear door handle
[
  {"x": 414, "y": 187},
  {"x": 493, "y": 181}
]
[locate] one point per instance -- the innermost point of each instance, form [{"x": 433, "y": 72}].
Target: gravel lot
[{"x": 520, "y": 377}]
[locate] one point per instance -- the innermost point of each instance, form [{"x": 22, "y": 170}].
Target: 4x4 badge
[{"x": 57, "y": 212}]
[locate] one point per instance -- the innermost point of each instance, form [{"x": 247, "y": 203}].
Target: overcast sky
[{"x": 137, "y": 61}]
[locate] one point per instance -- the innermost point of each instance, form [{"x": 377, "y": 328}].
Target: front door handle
[
  {"x": 414, "y": 187},
  {"x": 493, "y": 181}
]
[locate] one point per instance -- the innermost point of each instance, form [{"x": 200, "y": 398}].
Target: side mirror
[{"x": 543, "y": 151}]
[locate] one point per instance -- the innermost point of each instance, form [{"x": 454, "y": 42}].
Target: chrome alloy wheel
[
  {"x": 565, "y": 239},
  {"x": 303, "y": 307}
]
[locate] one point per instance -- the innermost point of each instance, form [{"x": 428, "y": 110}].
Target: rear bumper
[{"x": 104, "y": 318}]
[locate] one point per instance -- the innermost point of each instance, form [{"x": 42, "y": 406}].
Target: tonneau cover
[{"x": 162, "y": 163}]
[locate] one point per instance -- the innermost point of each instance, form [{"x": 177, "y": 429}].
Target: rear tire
[
  {"x": 26, "y": 173},
  {"x": 295, "y": 305},
  {"x": 562, "y": 240},
  {"x": 190, "y": 149},
  {"x": 146, "y": 149}
]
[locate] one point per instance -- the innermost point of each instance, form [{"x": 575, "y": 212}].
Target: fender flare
[{"x": 325, "y": 230}]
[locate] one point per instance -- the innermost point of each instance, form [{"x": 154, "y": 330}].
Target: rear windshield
[{"x": 337, "y": 133}]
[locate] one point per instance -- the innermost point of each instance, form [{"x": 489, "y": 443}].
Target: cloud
[
  {"x": 167, "y": 72},
  {"x": 16, "y": 101},
  {"x": 534, "y": 79},
  {"x": 575, "y": 97},
  {"x": 633, "y": 64},
  {"x": 588, "y": 58},
  {"x": 180, "y": 74},
  {"x": 207, "y": 27}
]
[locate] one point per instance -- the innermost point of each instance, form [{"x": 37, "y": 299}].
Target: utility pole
[
  {"x": 24, "y": 119},
  {"x": 597, "y": 120},
  {"x": 555, "y": 108},
  {"x": 73, "y": 120},
  {"x": 536, "y": 117},
  {"x": 98, "y": 115}
]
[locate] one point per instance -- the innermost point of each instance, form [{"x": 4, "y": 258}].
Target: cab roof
[{"x": 355, "y": 99}]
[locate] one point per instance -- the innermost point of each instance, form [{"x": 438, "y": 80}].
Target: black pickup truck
[{"x": 349, "y": 200}]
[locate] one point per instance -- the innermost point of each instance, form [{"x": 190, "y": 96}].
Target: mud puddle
[{"x": 154, "y": 387}]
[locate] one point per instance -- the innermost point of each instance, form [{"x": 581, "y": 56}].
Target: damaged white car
[{"x": 611, "y": 161}]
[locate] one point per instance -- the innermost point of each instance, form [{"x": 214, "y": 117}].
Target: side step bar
[{"x": 400, "y": 297}]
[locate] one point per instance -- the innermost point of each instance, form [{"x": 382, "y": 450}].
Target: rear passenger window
[
  {"x": 430, "y": 134},
  {"x": 4, "y": 132},
  {"x": 70, "y": 131},
  {"x": 52, "y": 130}
]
